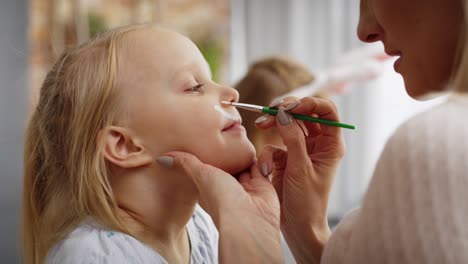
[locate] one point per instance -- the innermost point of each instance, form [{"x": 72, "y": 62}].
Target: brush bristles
[{"x": 226, "y": 102}]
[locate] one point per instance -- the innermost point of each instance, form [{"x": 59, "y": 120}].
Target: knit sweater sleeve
[{"x": 416, "y": 207}]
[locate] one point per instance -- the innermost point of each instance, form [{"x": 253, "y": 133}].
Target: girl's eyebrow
[
  {"x": 190, "y": 67},
  {"x": 176, "y": 75}
]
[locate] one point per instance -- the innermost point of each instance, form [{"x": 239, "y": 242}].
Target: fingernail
[
  {"x": 261, "y": 119},
  {"x": 265, "y": 169},
  {"x": 276, "y": 102},
  {"x": 284, "y": 118},
  {"x": 291, "y": 106},
  {"x": 165, "y": 161}
]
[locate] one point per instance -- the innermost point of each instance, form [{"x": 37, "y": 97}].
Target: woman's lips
[
  {"x": 396, "y": 65},
  {"x": 394, "y": 53}
]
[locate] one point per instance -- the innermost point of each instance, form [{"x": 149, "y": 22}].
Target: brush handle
[{"x": 274, "y": 111}]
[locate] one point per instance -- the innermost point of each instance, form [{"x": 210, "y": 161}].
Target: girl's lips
[{"x": 233, "y": 126}]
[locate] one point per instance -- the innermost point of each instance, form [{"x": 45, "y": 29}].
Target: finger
[
  {"x": 276, "y": 158},
  {"x": 253, "y": 179},
  {"x": 303, "y": 127},
  {"x": 294, "y": 140},
  {"x": 265, "y": 121},
  {"x": 283, "y": 102},
  {"x": 255, "y": 172},
  {"x": 268, "y": 160},
  {"x": 268, "y": 121},
  {"x": 323, "y": 108},
  {"x": 310, "y": 142},
  {"x": 314, "y": 129},
  {"x": 244, "y": 178},
  {"x": 280, "y": 158}
]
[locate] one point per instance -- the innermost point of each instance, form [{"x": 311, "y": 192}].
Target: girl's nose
[
  {"x": 368, "y": 29},
  {"x": 229, "y": 94}
]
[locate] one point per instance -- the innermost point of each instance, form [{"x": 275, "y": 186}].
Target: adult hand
[
  {"x": 246, "y": 212},
  {"x": 303, "y": 173}
]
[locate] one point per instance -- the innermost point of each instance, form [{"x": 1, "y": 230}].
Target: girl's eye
[{"x": 196, "y": 88}]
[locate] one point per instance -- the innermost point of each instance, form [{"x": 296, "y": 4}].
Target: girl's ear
[{"x": 122, "y": 149}]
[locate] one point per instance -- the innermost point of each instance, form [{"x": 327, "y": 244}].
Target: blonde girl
[{"x": 94, "y": 188}]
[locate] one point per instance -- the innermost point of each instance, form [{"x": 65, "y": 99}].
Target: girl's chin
[
  {"x": 239, "y": 163},
  {"x": 236, "y": 170},
  {"x": 233, "y": 160}
]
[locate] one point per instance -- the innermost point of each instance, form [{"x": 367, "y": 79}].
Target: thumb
[{"x": 274, "y": 159}]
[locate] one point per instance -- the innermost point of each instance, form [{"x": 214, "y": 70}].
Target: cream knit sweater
[{"x": 416, "y": 207}]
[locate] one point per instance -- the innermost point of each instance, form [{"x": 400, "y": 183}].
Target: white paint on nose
[{"x": 226, "y": 114}]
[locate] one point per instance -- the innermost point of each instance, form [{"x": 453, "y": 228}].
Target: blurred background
[{"x": 231, "y": 35}]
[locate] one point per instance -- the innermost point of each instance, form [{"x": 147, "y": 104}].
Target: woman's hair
[
  {"x": 265, "y": 80},
  {"x": 65, "y": 176},
  {"x": 460, "y": 77}
]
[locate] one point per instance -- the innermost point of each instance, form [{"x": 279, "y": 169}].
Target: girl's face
[
  {"x": 173, "y": 104},
  {"x": 423, "y": 33}
]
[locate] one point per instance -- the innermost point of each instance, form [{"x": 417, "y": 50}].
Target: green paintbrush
[{"x": 274, "y": 111}]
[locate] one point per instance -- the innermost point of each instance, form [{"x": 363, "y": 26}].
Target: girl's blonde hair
[{"x": 65, "y": 176}]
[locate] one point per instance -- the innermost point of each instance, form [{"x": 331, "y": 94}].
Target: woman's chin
[{"x": 423, "y": 91}]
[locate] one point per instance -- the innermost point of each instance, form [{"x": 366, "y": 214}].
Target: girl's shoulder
[
  {"x": 203, "y": 237},
  {"x": 91, "y": 243},
  {"x": 202, "y": 220}
]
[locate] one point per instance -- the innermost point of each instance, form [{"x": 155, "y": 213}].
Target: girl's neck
[{"x": 156, "y": 205}]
